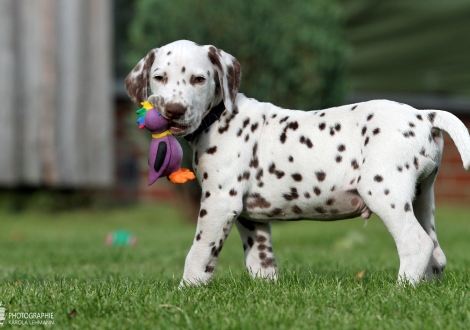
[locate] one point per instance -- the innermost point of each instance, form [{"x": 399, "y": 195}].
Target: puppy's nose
[{"x": 174, "y": 110}]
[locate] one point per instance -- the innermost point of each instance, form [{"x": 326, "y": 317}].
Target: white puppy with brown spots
[{"x": 257, "y": 162}]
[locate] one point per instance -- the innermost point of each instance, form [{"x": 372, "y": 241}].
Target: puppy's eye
[
  {"x": 199, "y": 80},
  {"x": 158, "y": 78}
]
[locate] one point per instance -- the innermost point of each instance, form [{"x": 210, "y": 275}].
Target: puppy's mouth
[{"x": 178, "y": 129}]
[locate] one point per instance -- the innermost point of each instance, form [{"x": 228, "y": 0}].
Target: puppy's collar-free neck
[{"x": 207, "y": 121}]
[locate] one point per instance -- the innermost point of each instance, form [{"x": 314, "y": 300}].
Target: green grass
[{"x": 59, "y": 263}]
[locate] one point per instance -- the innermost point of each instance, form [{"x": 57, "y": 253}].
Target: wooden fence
[{"x": 56, "y": 120}]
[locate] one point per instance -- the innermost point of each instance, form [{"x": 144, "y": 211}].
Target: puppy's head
[{"x": 184, "y": 81}]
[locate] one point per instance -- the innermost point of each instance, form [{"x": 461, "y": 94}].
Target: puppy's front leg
[{"x": 214, "y": 224}]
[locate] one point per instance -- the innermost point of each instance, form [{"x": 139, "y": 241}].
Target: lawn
[{"x": 58, "y": 263}]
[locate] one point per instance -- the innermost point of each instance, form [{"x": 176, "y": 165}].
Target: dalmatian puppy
[{"x": 258, "y": 163}]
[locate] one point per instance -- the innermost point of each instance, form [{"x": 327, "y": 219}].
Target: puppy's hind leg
[
  {"x": 259, "y": 257},
  {"x": 423, "y": 207},
  {"x": 393, "y": 204}
]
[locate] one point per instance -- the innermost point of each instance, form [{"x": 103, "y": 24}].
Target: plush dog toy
[{"x": 165, "y": 153}]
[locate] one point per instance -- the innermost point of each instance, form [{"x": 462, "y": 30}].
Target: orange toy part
[{"x": 181, "y": 176}]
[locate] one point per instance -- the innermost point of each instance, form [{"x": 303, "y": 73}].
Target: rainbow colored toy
[{"x": 165, "y": 153}]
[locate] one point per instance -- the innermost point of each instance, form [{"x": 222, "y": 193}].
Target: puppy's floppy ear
[
  {"x": 137, "y": 81},
  {"x": 229, "y": 72}
]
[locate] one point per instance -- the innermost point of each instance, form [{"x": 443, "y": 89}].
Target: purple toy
[{"x": 165, "y": 153}]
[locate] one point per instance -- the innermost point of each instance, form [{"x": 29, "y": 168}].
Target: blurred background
[{"x": 68, "y": 136}]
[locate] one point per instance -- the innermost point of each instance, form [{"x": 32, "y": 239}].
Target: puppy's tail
[{"x": 458, "y": 132}]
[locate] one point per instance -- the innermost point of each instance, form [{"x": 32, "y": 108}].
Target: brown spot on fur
[
  {"x": 254, "y": 162},
  {"x": 419, "y": 117},
  {"x": 330, "y": 201},
  {"x": 296, "y": 209},
  {"x": 366, "y": 141},
  {"x": 272, "y": 170},
  {"x": 341, "y": 147},
  {"x": 233, "y": 192},
  {"x": 322, "y": 126},
  {"x": 257, "y": 201},
  {"x": 431, "y": 117},
  {"x": 276, "y": 211},
  {"x": 317, "y": 191},
  {"x": 320, "y": 210},
  {"x": 354, "y": 164},
  {"x": 369, "y": 117},
  {"x": 376, "y": 131},
  {"x": 202, "y": 213},
  {"x": 354, "y": 201},
  {"x": 320, "y": 175},
  {"x": 209, "y": 269},
  {"x": 306, "y": 141},
  {"x": 261, "y": 239},
  {"x": 297, "y": 177},
  {"x": 407, "y": 207},
  {"x": 211, "y": 150},
  {"x": 378, "y": 178},
  {"x": 293, "y": 194},
  {"x": 246, "y": 175},
  {"x": 267, "y": 263}
]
